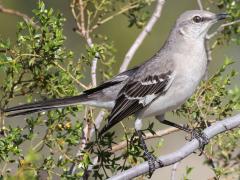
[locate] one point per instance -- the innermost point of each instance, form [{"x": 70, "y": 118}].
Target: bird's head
[{"x": 196, "y": 23}]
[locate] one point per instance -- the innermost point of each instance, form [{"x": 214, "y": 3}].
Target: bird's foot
[
  {"x": 151, "y": 162},
  {"x": 201, "y": 137}
]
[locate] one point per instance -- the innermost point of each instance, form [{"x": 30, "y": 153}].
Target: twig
[
  {"x": 200, "y": 4},
  {"x": 146, "y": 30},
  {"x": 82, "y": 21},
  {"x": 127, "y": 8},
  {"x": 97, "y": 122},
  {"x": 75, "y": 16},
  {"x": 174, "y": 170},
  {"x": 16, "y": 13},
  {"x": 81, "y": 30},
  {"x": 77, "y": 81},
  {"x": 94, "y": 63},
  {"x": 147, "y": 136},
  {"x": 221, "y": 28},
  {"x": 210, "y": 36},
  {"x": 169, "y": 159}
]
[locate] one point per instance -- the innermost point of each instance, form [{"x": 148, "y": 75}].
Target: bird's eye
[{"x": 197, "y": 19}]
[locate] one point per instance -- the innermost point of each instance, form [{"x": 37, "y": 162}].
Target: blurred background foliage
[{"x": 51, "y": 56}]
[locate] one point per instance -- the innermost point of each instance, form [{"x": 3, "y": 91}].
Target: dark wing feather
[{"x": 132, "y": 97}]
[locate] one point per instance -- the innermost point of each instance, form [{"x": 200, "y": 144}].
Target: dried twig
[
  {"x": 146, "y": 30},
  {"x": 16, "y": 13},
  {"x": 190, "y": 147},
  {"x": 123, "y": 10},
  {"x": 200, "y": 5},
  {"x": 85, "y": 34},
  {"x": 80, "y": 22},
  {"x": 174, "y": 170}
]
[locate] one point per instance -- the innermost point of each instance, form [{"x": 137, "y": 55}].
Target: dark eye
[{"x": 197, "y": 19}]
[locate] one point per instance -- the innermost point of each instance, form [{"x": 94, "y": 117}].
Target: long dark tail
[{"x": 45, "y": 105}]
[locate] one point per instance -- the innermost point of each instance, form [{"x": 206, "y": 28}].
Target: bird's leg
[
  {"x": 181, "y": 127},
  {"x": 151, "y": 159},
  {"x": 195, "y": 133}
]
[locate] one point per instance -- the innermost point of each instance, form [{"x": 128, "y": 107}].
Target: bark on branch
[{"x": 169, "y": 159}]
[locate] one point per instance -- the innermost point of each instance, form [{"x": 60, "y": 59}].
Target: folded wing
[{"x": 136, "y": 95}]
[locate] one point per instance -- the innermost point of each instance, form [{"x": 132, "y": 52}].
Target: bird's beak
[{"x": 221, "y": 16}]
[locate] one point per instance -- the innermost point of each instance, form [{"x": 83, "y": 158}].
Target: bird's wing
[{"x": 137, "y": 94}]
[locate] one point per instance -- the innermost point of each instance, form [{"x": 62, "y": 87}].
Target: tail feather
[
  {"x": 45, "y": 105},
  {"x": 24, "y": 112},
  {"x": 105, "y": 129}
]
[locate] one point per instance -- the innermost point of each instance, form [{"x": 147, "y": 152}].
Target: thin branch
[
  {"x": 66, "y": 71},
  {"x": 127, "y": 8},
  {"x": 82, "y": 18},
  {"x": 210, "y": 36},
  {"x": 121, "y": 145},
  {"x": 94, "y": 64},
  {"x": 174, "y": 170},
  {"x": 221, "y": 28},
  {"x": 200, "y": 5},
  {"x": 146, "y": 30},
  {"x": 97, "y": 122},
  {"x": 190, "y": 147},
  {"x": 75, "y": 16},
  {"x": 81, "y": 30},
  {"x": 16, "y": 13}
]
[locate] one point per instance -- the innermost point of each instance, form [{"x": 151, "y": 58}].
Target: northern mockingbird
[{"x": 161, "y": 84}]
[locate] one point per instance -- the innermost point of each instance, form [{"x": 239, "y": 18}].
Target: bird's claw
[
  {"x": 202, "y": 139},
  {"x": 151, "y": 162}
]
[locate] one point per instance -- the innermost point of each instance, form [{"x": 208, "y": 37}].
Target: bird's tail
[{"x": 45, "y": 105}]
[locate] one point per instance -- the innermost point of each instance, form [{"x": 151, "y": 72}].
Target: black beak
[{"x": 222, "y": 16}]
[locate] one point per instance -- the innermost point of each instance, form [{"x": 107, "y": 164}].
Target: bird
[{"x": 159, "y": 85}]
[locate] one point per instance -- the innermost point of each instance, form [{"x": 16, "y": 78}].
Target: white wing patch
[
  {"x": 143, "y": 100},
  {"x": 147, "y": 99}
]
